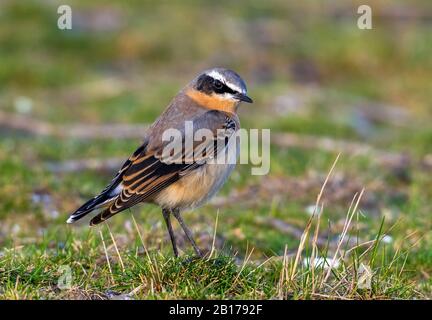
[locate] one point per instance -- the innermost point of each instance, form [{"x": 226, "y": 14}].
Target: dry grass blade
[
  {"x": 116, "y": 248},
  {"x": 214, "y": 236},
  {"x": 348, "y": 220},
  {"x": 315, "y": 247},
  {"x": 308, "y": 226},
  {"x": 106, "y": 256},
  {"x": 330, "y": 297},
  {"x": 283, "y": 274},
  {"x": 245, "y": 262},
  {"x": 152, "y": 266}
]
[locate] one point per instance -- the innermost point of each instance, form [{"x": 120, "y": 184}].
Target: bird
[{"x": 210, "y": 101}]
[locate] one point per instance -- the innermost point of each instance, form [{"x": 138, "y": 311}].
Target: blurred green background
[{"x": 310, "y": 70}]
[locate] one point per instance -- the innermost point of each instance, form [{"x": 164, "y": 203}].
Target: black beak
[{"x": 243, "y": 97}]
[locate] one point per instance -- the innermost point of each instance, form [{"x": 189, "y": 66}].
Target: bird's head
[{"x": 220, "y": 89}]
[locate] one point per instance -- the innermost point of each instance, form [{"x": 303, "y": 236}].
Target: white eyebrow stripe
[{"x": 216, "y": 75}]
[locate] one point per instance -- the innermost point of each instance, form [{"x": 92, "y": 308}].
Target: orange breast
[{"x": 212, "y": 101}]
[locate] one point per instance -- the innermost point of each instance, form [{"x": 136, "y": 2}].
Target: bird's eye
[{"x": 217, "y": 84}]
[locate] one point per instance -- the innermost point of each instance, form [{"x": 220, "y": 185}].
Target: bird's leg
[
  {"x": 186, "y": 230},
  {"x": 166, "y": 214}
]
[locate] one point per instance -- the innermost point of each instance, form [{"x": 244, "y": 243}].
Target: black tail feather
[{"x": 88, "y": 207}]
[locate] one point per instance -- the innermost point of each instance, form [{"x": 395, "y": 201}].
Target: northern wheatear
[{"x": 209, "y": 102}]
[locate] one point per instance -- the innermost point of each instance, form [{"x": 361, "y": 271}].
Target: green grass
[
  {"x": 351, "y": 86},
  {"x": 38, "y": 271}
]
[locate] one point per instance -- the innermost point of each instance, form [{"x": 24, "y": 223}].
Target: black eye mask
[{"x": 208, "y": 85}]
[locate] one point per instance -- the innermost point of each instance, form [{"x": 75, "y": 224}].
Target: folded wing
[{"x": 149, "y": 170}]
